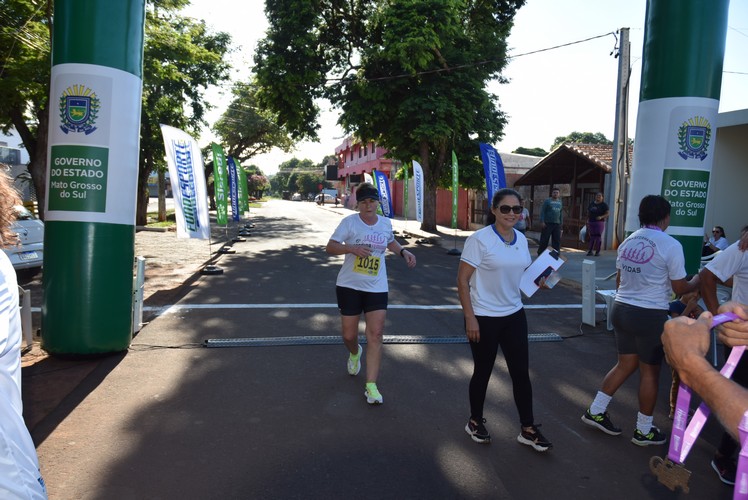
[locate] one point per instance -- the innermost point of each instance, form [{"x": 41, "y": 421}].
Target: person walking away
[
  {"x": 20, "y": 476},
  {"x": 650, "y": 266},
  {"x": 597, "y": 214},
  {"x": 551, "y": 218},
  {"x": 361, "y": 286},
  {"x": 488, "y": 278},
  {"x": 730, "y": 265}
]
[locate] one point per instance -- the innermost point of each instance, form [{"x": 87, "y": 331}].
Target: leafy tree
[
  {"x": 582, "y": 137},
  {"x": 25, "y": 62},
  {"x": 257, "y": 184},
  {"x": 182, "y": 58},
  {"x": 279, "y": 182},
  {"x": 410, "y": 74},
  {"x": 246, "y": 130},
  {"x": 530, "y": 151},
  {"x": 307, "y": 183}
]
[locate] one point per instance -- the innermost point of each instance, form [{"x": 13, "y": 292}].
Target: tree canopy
[
  {"x": 182, "y": 58},
  {"x": 409, "y": 74},
  {"x": 530, "y": 151},
  {"x": 247, "y": 130},
  {"x": 581, "y": 137}
]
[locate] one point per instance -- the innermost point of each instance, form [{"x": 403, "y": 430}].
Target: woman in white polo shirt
[{"x": 491, "y": 267}]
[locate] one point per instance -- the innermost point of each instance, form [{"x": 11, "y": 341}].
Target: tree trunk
[
  {"x": 36, "y": 147},
  {"x": 431, "y": 173},
  {"x": 141, "y": 208},
  {"x": 161, "y": 195}
]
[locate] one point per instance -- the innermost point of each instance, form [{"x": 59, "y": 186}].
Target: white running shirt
[
  {"x": 648, "y": 260},
  {"x": 369, "y": 274}
]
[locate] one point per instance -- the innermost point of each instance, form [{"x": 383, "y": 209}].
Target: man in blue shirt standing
[{"x": 551, "y": 217}]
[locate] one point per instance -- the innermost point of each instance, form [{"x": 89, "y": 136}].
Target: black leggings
[{"x": 509, "y": 332}]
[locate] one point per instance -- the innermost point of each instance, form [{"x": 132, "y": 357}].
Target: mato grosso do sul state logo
[
  {"x": 693, "y": 138},
  {"x": 79, "y": 108}
]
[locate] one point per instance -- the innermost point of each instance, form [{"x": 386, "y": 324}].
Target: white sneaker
[{"x": 354, "y": 362}]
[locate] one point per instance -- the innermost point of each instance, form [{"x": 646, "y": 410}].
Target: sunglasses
[
  {"x": 505, "y": 209},
  {"x": 715, "y": 232}
]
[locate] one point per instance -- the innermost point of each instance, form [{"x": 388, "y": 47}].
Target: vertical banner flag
[
  {"x": 455, "y": 187},
  {"x": 383, "y": 186},
  {"x": 405, "y": 191},
  {"x": 233, "y": 189},
  {"x": 220, "y": 184},
  {"x": 493, "y": 168},
  {"x": 418, "y": 181},
  {"x": 241, "y": 177},
  {"x": 187, "y": 183}
]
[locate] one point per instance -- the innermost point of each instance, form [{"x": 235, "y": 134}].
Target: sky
[{"x": 551, "y": 92}]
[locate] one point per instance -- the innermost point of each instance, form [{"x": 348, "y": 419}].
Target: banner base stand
[
  {"x": 245, "y": 232},
  {"x": 225, "y": 250},
  {"x": 211, "y": 270},
  {"x": 238, "y": 239},
  {"x": 454, "y": 251}
]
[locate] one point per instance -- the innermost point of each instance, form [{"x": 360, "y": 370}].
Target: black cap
[{"x": 366, "y": 192}]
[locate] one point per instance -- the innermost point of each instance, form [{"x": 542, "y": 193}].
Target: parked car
[
  {"x": 28, "y": 256},
  {"x": 296, "y": 197},
  {"x": 328, "y": 199}
]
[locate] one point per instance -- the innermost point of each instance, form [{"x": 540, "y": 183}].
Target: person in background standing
[
  {"x": 551, "y": 218},
  {"x": 651, "y": 265},
  {"x": 361, "y": 287},
  {"x": 597, "y": 214},
  {"x": 19, "y": 465},
  {"x": 491, "y": 267}
]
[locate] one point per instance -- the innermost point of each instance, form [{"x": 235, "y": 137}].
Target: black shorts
[
  {"x": 353, "y": 302},
  {"x": 638, "y": 331}
]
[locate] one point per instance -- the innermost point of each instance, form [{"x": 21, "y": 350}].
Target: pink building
[{"x": 354, "y": 160}]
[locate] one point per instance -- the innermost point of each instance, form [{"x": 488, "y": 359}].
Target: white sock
[
  {"x": 644, "y": 422},
  {"x": 600, "y": 404}
]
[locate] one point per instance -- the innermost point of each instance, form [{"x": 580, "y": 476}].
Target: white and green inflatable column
[
  {"x": 684, "y": 47},
  {"x": 92, "y": 174}
]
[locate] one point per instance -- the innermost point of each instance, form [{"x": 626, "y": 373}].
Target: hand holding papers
[{"x": 542, "y": 271}]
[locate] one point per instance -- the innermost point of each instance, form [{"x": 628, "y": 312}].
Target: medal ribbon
[{"x": 684, "y": 436}]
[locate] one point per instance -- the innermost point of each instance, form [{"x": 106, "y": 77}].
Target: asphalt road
[{"x": 275, "y": 415}]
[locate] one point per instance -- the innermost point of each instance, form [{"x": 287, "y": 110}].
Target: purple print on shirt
[
  {"x": 376, "y": 240},
  {"x": 640, "y": 251}
]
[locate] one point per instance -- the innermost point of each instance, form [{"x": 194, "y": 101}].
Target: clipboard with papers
[{"x": 544, "y": 266}]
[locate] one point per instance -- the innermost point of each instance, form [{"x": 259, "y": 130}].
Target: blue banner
[
  {"x": 233, "y": 189},
  {"x": 493, "y": 168},
  {"x": 383, "y": 186}
]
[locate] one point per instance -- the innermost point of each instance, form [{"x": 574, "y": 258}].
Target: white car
[
  {"x": 29, "y": 254},
  {"x": 296, "y": 197},
  {"x": 328, "y": 199}
]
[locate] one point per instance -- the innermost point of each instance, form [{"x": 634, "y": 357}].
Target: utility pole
[{"x": 616, "y": 184}]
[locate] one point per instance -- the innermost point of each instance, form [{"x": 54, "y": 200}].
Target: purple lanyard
[{"x": 683, "y": 436}]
